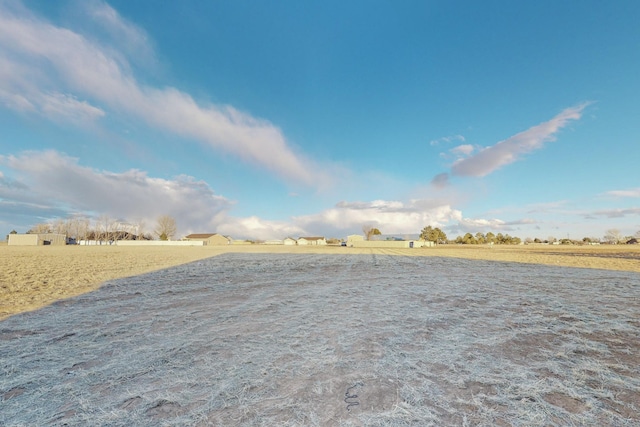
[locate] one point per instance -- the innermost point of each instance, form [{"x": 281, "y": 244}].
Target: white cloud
[
  {"x": 52, "y": 181},
  {"x": 483, "y": 224},
  {"x": 631, "y": 193},
  {"x": 616, "y": 213},
  {"x": 41, "y": 59},
  {"x": 389, "y": 216},
  {"x": 254, "y": 227},
  {"x": 67, "y": 107},
  {"x": 464, "y": 150},
  {"x": 511, "y": 149},
  {"x": 127, "y": 36},
  {"x": 447, "y": 139}
]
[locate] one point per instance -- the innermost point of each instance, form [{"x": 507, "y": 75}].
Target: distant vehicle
[{"x": 343, "y": 244}]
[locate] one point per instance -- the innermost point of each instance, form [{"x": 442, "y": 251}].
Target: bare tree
[
  {"x": 613, "y": 236},
  {"x": 72, "y": 228},
  {"x": 82, "y": 225},
  {"x": 139, "y": 227},
  {"x": 59, "y": 226},
  {"x": 40, "y": 228},
  {"x": 166, "y": 227},
  {"x": 104, "y": 228},
  {"x": 126, "y": 230},
  {"x": 370, "y": 230}
]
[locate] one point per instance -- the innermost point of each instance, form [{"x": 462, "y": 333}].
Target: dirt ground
[
  {"x": 33, "y": 277},
  {"x": 317, "y": 338}
]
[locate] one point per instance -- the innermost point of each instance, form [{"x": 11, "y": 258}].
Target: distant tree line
[
  {"x": 489, "y": 238},
  {"x": 105, "y": 228},
  {"x": 436, "y": 235}
]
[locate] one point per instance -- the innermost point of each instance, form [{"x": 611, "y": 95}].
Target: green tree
[
  {"x": 468, "y": 239},
  {"x": 490, "y": 238},
  {"x": 427, "y": 234},
  {"x": 431, "y": 234}
]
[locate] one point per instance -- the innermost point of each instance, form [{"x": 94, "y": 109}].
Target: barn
[{"x": 37, "y": 239}]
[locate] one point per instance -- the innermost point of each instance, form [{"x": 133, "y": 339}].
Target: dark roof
[{"x": 312, "y": 238}]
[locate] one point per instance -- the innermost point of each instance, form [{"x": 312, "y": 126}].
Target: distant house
[
  {"x": 37, "y": 239},
  {"x": 308, "y": 241},
  {"x": 357, "y": 241},
  {"x": 289, "y": 241},
  {"x": 209, "y": 238}
]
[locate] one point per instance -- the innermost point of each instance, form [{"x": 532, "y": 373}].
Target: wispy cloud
[
  {"x": 615, "y": 213},
  {"x": 464, "y": 150},
  {"x": 630, "y": 193},
  {"x": 59, "y": 72},
  {"x": 123, "y": 34},
  {"x": 56, "y": 182},
  {"x": 447, "y": 140},
  {"x": 64, "y": 107},
  {"x": 440, "y": 181},
  {"x": 512, "y": 149}
]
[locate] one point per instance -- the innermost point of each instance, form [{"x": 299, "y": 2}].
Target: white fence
[
  {"x": 141, "y": 243},
  {"x": 160, "y": 243}
]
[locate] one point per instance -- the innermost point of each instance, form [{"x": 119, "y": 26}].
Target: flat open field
[
  {"x": 332, "y": 338},
  {"x": 33, "y": 277}
]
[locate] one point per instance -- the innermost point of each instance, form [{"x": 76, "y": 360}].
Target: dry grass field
[
  {"x": 291, "y": 336},
  {"x": 33, "y": 277}
]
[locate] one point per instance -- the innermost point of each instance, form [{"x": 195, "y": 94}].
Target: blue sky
[{"x": 273, "y": 119}]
